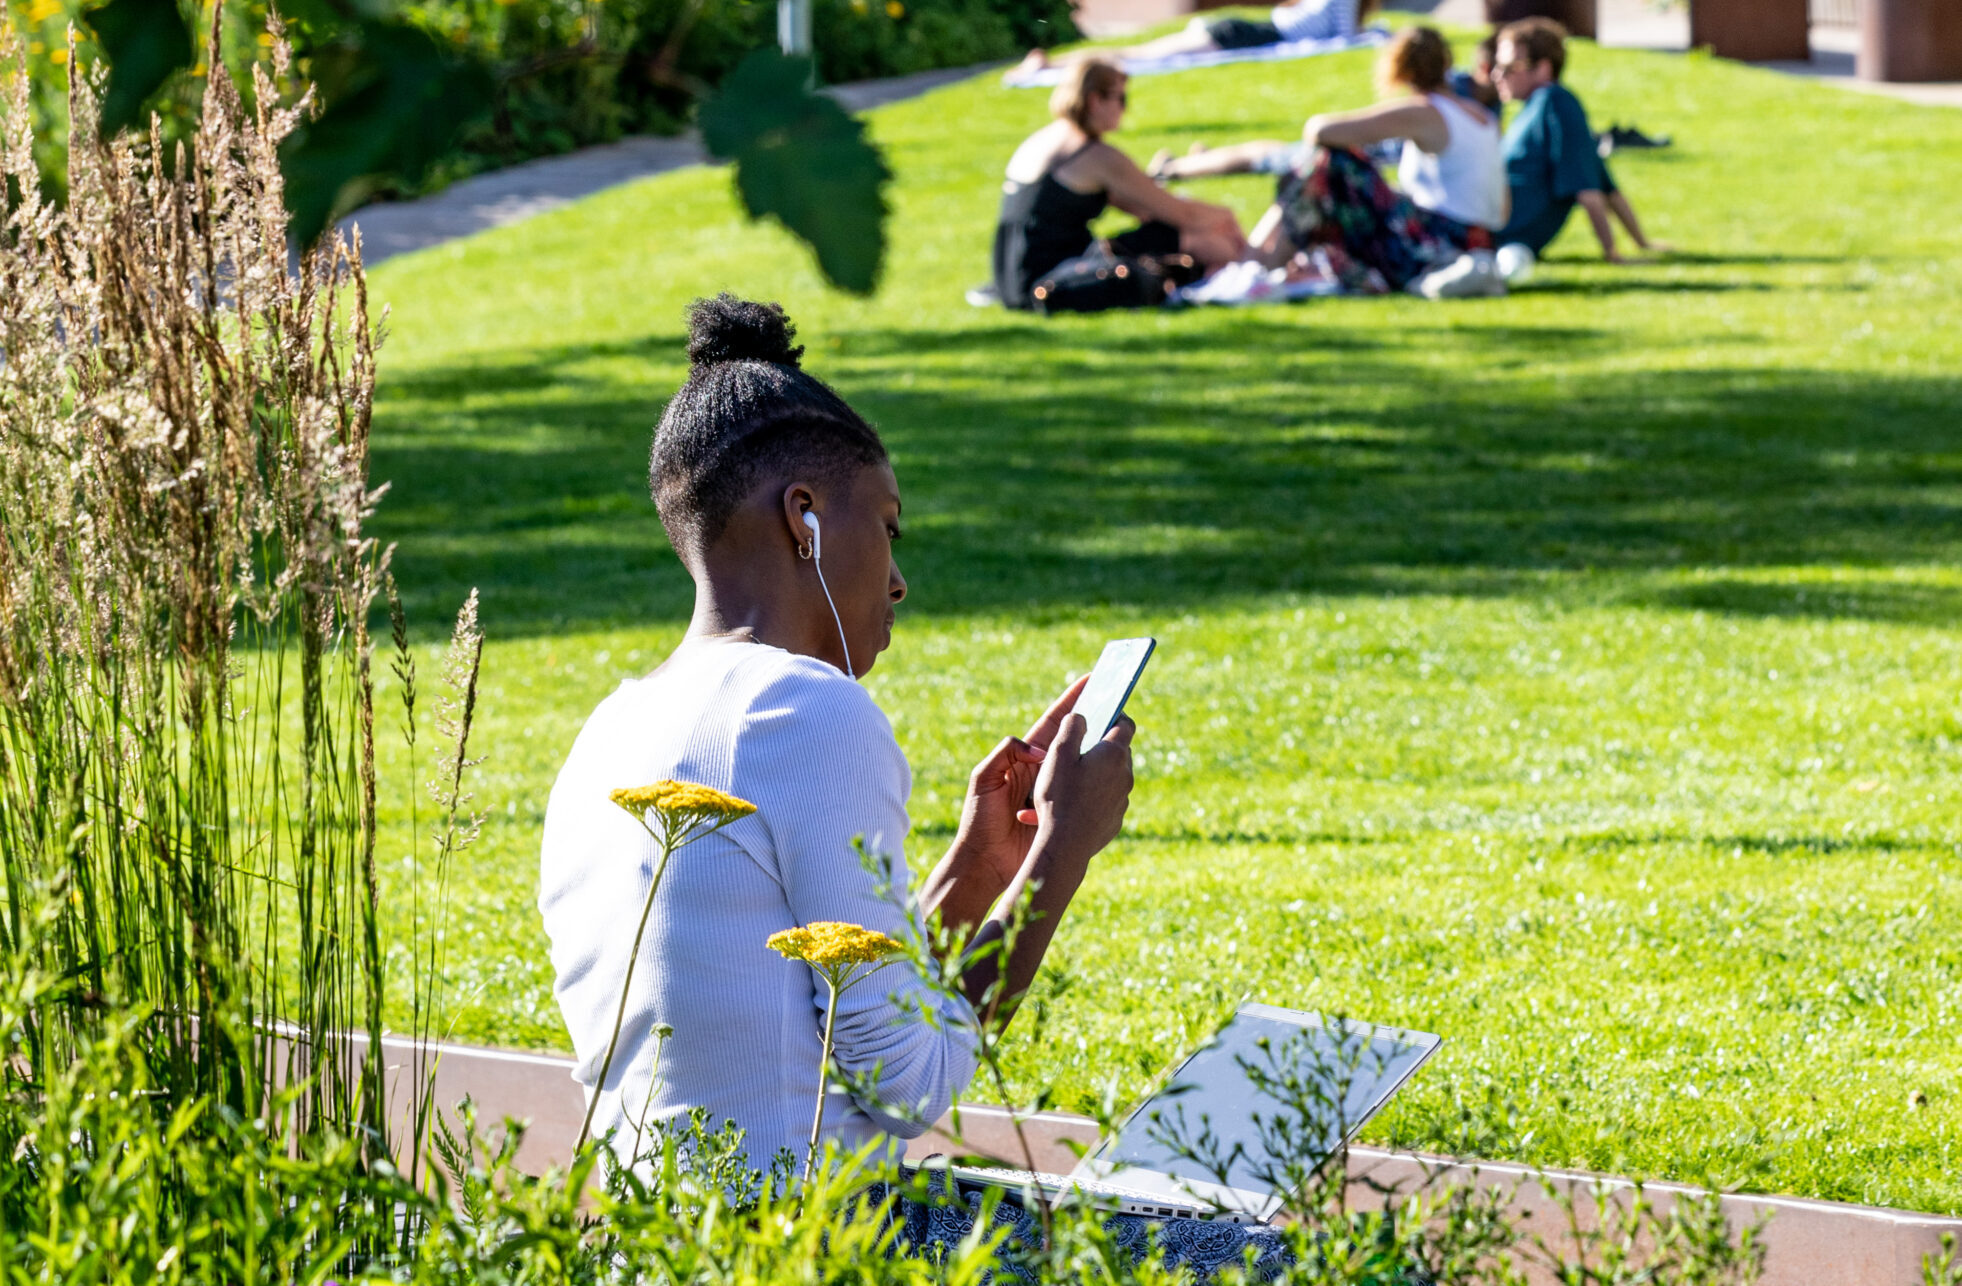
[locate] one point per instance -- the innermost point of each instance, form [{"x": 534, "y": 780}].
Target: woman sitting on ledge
[
  {"x": 760, "y": 700},
  {"x": 1064, "y": 175}
]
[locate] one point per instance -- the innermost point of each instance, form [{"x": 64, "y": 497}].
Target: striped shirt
[
  {"x": 1315, "y": 19},
  {"x": 811, "y": 750}
]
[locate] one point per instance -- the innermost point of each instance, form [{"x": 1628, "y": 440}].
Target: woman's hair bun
[{"x": 728, "y": 329}]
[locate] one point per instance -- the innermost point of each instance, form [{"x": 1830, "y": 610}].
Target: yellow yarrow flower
[
  {"x": 836, "y": 950},
  {"x": 675, "y": 811},
  {"x": 829, "y": 944},
  {"x": 681, "y": 797}
]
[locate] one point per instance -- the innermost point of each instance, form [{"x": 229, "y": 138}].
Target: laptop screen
[{"x": 1274, "y": 1081}]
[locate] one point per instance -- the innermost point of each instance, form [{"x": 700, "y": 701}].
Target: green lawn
[{"x": 1573, "y": 675}]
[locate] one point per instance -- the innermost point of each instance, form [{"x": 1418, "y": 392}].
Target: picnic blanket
[
  {"x": 1248, "y": 282},
  {"x": 1368, "y": 36}
]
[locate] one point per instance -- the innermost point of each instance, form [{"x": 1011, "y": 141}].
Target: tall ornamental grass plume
[{"x": 187, "y": 763}]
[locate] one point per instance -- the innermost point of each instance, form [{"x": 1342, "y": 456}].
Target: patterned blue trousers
[{"x": 930, "y": 1228}]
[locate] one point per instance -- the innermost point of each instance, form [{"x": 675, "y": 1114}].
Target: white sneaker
[
  {"x": 1516, "y": 263},
  {"x": 1472, "y": 275}
]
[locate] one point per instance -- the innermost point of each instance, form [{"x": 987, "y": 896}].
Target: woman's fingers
[
  {"x": 992, "y": 773},
  {"x": 1043, "y": 732},
  {"x": 1087, "y": 795}
]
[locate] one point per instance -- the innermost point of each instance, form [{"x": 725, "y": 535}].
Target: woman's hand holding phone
[
  {"x": 1001, "y": 816},
  {"x": 998, "y": 818},
  {"x": 1080, "y": 800}
]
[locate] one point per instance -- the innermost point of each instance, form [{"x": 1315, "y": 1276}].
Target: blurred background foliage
[{"x": 565, "y": 73}]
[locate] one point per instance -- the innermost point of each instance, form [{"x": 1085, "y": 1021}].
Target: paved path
[{"x": 505, "y": 196}]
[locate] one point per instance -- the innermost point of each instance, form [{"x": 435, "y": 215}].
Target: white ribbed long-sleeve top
[{"x": 812, "y": 751}]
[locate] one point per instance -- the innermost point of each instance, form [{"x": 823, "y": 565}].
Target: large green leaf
[
  {"x": 144, "y": 41},
  {"x": 802, "y": 158},
  {"x": 396, "y": 101}
]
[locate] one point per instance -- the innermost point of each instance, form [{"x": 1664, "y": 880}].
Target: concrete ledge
[{"x": 1809, "y": 1243}]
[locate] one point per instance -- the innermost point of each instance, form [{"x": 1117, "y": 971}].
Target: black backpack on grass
[{"x": 1093, "y": 283}]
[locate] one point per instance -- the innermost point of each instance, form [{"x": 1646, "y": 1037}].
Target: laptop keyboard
[{"x": 1160, "y": 1203}]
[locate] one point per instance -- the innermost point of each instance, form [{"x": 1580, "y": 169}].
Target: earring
[{"x": 804, "y": 552}]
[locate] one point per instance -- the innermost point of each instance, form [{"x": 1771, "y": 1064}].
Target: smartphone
[{"x": 1102, "y": 699}]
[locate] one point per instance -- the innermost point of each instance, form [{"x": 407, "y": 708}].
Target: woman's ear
[{"x": 798, "y": 500}]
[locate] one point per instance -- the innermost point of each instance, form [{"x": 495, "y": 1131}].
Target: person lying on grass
[
  {"x": 1063, "y": 176},
  {"x": 760, "y": 701},
  {"x": 1551, "y": 158},
  {"x": 1333, "y": 198},
  {"x": 1301, "y": 20}
]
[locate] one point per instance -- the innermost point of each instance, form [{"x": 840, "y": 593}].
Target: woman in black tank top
[
  {"x": 1045, "y": 223},
  {"x": 1042, "y": 224}
]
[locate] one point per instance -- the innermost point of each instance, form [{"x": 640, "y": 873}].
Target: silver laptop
[{"x": 1225, "y": 1103}]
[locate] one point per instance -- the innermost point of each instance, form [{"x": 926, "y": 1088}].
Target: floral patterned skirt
[{"x": 1339, "y": 200}]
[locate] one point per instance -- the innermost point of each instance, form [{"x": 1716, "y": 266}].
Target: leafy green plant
[
  {"x": 801, "y": 158},
  {"x": 1944, "y": 1269},
  {"x": 183, "y": 637}
]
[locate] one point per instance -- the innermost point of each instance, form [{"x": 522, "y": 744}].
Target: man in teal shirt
[{"x": 1550, "y": 158}]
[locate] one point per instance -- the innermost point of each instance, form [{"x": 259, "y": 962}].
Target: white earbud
[{"x": 817, "y": 561}]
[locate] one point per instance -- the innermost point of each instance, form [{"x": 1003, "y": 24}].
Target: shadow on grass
[
  {"x": 1648, "y": 285},
  {"x": 1121, "y": 461},
  {"x": 1870, "y": 601},
  {"x": 1648, "y": 842}
]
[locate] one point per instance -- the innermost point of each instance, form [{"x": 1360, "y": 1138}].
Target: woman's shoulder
[
  {"x": 801, "y": 715},
  {"x": 1049, "y": 148},
  {"x": 786, "y": 688},
  {"x": 1031, "y": 159},
  {"x": 1472, "y": 108},
  {"x": 737, "y": 679}
]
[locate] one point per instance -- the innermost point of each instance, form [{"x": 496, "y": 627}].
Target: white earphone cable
[{"x": 818, "y": 563}]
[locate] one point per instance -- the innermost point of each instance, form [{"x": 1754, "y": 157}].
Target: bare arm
[
  {"x": 1233, "y": 158},
  {"x": 1411, "y": 118},
  {"x": 1596, "y": 206},
  {"x": 998, "y": 826},
  {"x": 1132, "y": 191},
  {"x": 1625, "y": 214},
  {"x": 1079, "y": 802}
]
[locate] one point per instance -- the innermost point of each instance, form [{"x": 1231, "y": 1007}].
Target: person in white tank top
[
  {"x": 1465, "y": 179},
  {"x": 1332, "y": 197}
]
